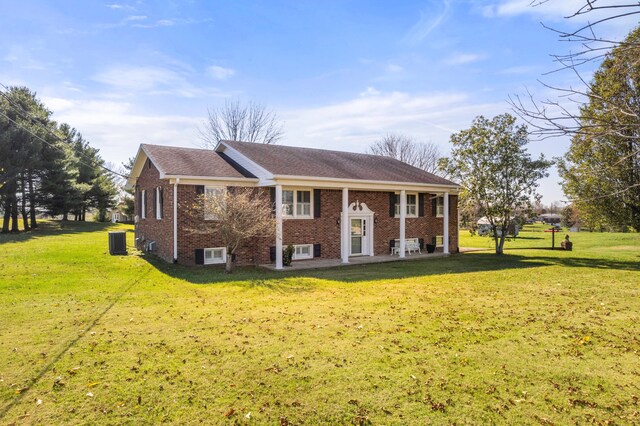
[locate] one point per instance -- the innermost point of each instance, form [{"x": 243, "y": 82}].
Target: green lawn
[{"x": 534, "y": 336}]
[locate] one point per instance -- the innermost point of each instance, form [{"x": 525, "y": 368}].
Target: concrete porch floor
[{"x": 300, "y": 265}]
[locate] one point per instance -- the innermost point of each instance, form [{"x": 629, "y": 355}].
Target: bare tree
[
  {"x": 249, "y": 123},
  {"x": 234, "y": 215},
  {"x": 563, "y": 116},
  {"x": 424, "y": 156}
]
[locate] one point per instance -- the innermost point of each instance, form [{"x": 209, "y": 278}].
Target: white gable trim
[
  {"x": 248, "y": 164},
  {"x": 138, "y": 164}
]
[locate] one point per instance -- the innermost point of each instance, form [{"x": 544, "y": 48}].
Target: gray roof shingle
[
  {"x": 192, "y": 162},
  {"x": 309, "y": 162}
]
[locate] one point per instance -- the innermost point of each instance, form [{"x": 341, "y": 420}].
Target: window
[
  {"x": 439, "y": 241},
  {"x": 412, "y": 205},
  {"x": 287, "y": 203},
  {"x": 440, "y": 206},
  {"x": 303, "y": 251},
  {"x": 296, "y": 203},
  {"x": 143, "y": 204},
  {"x": 303, "y": 203},
  {"x": 215, "y": 255},
  {"x": 159, "y": 202},
  {"x": 209, "y": 193}
]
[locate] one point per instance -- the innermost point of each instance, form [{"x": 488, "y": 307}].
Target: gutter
[{"x": 175, "y": 220}]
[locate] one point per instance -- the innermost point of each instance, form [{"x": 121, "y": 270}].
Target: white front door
[{"x": 360, "y": 241}]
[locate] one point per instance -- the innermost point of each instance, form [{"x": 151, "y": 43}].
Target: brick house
[{"x": 328, "y": 204}]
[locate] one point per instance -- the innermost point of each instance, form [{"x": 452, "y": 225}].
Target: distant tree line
[{"x": 46, "y": 167}]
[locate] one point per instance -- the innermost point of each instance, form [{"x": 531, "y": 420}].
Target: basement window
[
  {"x": 303, "y": 251},
  {"x": 215, "y": 255}
]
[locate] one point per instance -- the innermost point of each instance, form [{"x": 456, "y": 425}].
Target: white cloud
[
  {"x": 352, "y": 125},
  {"x": 393, "y": 68},
  {"x": 117, "y": 128},
  {"x": 370, "y": 91},
  {"x": 429, "y": 20},
  {"x": 464, "y": 58},
  {"x": 135, "y": 18},
  {"x": 550, "y": 9},
  {"x": 154, "y": 80},
  {"x": 220, "y": 73},
  {"x": 559, "y": 10}
]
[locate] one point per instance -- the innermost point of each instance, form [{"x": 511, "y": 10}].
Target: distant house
[
  {"x": 484, "y": 228},
  {"x": 327, "y": 204},
  {"x": 550, "y": 218}
]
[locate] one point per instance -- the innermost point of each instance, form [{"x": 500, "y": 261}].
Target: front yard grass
[{"x": 534, "y": 336}]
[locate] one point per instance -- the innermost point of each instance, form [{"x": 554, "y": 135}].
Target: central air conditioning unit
[{"x": 117, "y": 242}]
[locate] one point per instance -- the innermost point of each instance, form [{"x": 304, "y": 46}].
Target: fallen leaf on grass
[
  {"x": 22, "y": 390},
  {"x": 230, "y": 413}
]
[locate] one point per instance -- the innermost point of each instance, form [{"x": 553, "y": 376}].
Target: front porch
[{"x": 300, "y": 265}]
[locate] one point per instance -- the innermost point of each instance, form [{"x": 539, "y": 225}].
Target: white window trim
[
  {"x": 417, "y": 205},
  {"x": 439, "y": 206},
  {"x": 158, "y": 204},
  {"x": 295, "y": 202},
  {"x": 143, "y": 204},
  {"x": 309, "y": 256},
  {"x": 220, "y": 188},
  {"x": 214, "y": 261}
]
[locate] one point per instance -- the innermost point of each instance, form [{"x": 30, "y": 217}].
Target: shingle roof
[
  {"x": 192, "y": 162},
  {"x": 309, "y": 162}
]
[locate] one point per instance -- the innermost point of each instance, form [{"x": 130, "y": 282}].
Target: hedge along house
[{"x": 327, "y": 204}]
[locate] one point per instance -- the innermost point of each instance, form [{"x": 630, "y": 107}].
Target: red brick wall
[
  {"x": 152, "y": 229},
  {"x": 324, "y": 230}
]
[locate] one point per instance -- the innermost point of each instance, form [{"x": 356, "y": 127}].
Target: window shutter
[
  {"x": 138, "y": 202},
  {"x": 145, "y": 203},
  {"x": 434, "y": 206},
  {"x": 233, "y": 257},
  {"x": 272, "y": 194},
  {"x": 161, "y": 204},
  {"x": 316, "y": 203},
  {"x": 155, "y": 203},
  {"x": 199, "y": 256},
  {"x": 421, "y": 204},
  {"x": 272, "y": 253},
  {"x": 434, "y": 241},
  {"x": 392, "y": 244},
  {"x": 199, "y": 189},
  {"x": 421, "y": 242},
  {"x": 392, "y": 204},
  {"x": 317, "y": 250}
]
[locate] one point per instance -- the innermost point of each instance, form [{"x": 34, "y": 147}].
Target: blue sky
[{"x": 339, "y": 73}]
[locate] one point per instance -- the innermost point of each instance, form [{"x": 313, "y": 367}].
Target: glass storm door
[{"x": 358, "y": 236}]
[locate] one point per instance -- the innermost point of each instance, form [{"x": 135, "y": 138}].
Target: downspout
[{"x": 175, "y": 220}]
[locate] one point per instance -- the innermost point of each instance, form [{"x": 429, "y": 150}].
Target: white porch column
[
  {"x": 445, "y": 233},
  {"x": 344, "y": 226},
  {"x": 175, "y": 220},
  {"x": 403, "y": 216},
  {"x": 278, "y": 226}
]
